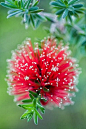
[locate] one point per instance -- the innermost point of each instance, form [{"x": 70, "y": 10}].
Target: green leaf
[
  {"x": 79, "y": 11},
  {"x": 78, "y": 5},
  {"x": 60, "y": 1},
  {"x": 19, "y": 4},
  {"x": 72, "y": 2},
  {"x": 29, "y": 116},
  {"x": 28, "y": 21},
  {"x": 27, "y": 100},
  {"x": 84, "y": 43},
  {"x": 69, "y": 16},
  {"x": 38, "y": 22},
  {"x": 35, "y": 3},
  {"x": 60, "y": 11},
  {"x": 42, "y": 18},
  {"x": 34, "y": 102},
  {"x": 31, "y": 96},
  {"x": 12, "y": 14},
  {"x": 42, "y": 111},
  {"x": 29, "y": 1},
  {"x": 76, "y": 14},
  {"x": 41, "y": 108},
  {"x": 33, "y": 8},
  {"x": 82, "y": 33},
  {"x": 9, "y": 1},
  {"x": 35, "y": 118},
  {"x": 26, "y": 4},
  {"x": 33, "y": 93},
  {"x": 57, "y": 4},
  {"x": 39, "y": 115},
  {"x": 37, "y": 11},
  {"x": 25, "y": 106},
  {"x": 65, "y": 13},
  {"x": 8, "y": 5},
  {"x": 70, "y": 8},
  {"x": 13, "y": 10},
  {"x": 49, "y": 19},
  {"x": 25, "y": 114}
]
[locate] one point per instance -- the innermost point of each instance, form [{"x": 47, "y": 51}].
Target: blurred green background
[{"x": 13, "y": 33}]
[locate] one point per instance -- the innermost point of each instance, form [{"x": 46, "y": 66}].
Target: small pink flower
[{"x": 49, "y": 69}]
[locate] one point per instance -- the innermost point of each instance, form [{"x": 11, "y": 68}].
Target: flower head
[{"x": 48, "y": 69}]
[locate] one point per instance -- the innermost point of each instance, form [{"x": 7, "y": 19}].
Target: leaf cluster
[
  {"x": 77, "y": 33},
  {"x": 73, "y": 33},
  {"x": 28, "y": 9},
  {"x": 67, "y": 8},
  {"x": 32, "y": 105}
]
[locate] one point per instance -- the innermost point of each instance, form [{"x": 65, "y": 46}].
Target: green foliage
[
  {"x": 67, "y": 8},
  {"x": 28, "y": 9},
  {"x": 73, "y": 33},
  {"x": 77, "y": 33},
  {"x": 32, "y": 105}
]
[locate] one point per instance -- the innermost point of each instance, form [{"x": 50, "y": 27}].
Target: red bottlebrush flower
[{"x": 49, "y": 69}]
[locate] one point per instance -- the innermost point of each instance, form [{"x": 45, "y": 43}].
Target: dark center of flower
[
  {"x": 47, "y": 88},
  {"x": 39, "y": 69},
  {"x": 37, "y": 81}
]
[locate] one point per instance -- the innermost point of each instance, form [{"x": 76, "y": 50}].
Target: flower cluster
[{"x": 48, "y": 69}]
